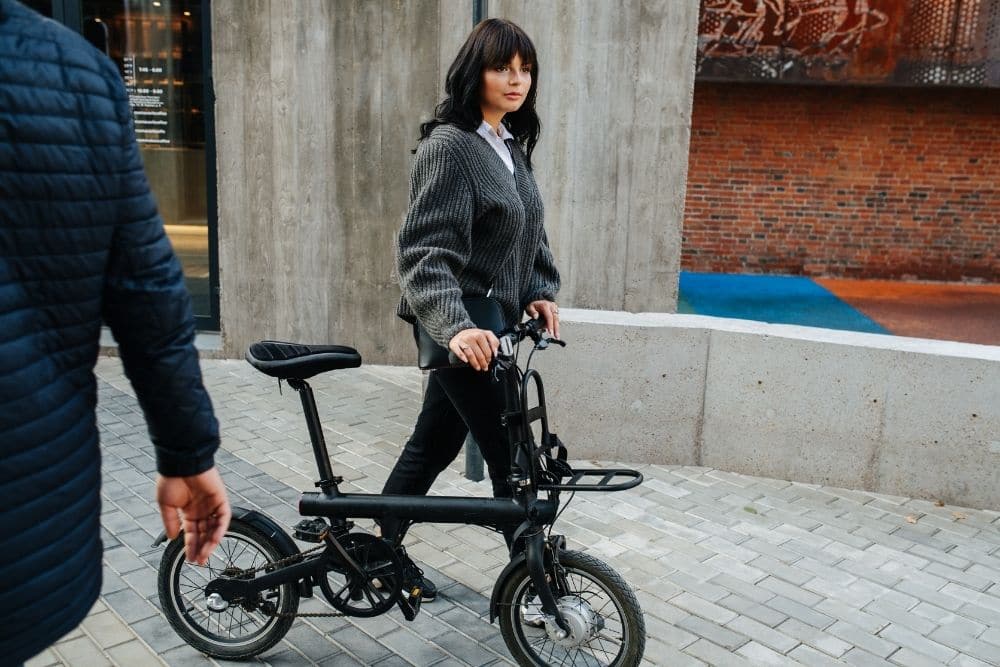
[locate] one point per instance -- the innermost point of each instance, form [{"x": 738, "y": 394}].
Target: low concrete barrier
[{"x": 888, "y": 414}]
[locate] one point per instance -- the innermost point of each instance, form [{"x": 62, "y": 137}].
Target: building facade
[
  {"x": 846, "y": 138},
  {"x": 278, "y": 138}
]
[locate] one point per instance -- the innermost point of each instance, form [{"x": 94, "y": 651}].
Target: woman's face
[{"x": 504, "y": 88}]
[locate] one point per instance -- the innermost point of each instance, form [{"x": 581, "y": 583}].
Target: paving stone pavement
[{"x": 729, "y": 569}]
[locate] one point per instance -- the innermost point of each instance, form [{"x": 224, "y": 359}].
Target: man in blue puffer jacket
[{"x": 81, "y": 239}]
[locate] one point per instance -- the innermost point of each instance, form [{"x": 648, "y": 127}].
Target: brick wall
[{"x": 837, "y": 181}]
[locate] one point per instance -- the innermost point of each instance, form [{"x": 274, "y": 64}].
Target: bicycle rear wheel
[
  {"x": 606, "y": 622},
  {"x": 224, "y": 630}
]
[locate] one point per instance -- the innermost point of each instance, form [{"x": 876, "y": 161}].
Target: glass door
[
  {"x": 43, "y": 7},
  {"x": 162, "y": 50}
]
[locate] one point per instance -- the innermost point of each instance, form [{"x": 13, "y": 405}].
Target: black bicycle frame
[
  {"x": 525, "y": 511},
  {"x": 500, "y": 512},
  {"x": 524, "y": 516}
]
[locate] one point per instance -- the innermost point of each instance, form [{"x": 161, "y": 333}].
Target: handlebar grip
[{"x": 534, "y": 325}]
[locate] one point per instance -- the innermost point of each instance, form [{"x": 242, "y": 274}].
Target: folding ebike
[{"x": 555, "y": 606}]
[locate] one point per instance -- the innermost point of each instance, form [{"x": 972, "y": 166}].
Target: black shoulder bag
[{"x": 484, "y": 311}]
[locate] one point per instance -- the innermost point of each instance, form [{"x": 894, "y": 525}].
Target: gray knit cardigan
[{"x": 471, "y": 226}]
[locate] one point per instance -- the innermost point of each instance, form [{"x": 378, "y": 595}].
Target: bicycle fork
[{"x": 535, "y": 545}]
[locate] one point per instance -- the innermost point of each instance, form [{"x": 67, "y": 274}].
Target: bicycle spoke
[
  {"x": 376, "y": 571},
  {"x": 227, "y": 548},
  {"x": 235, "y": 622},
  {"x": 594, "y": 649},
  {"x": 345, "y": 587},
  {"x": 599, "y": 611},
  {"x": 234, "y": 558},
  {"x": 601, "y": 649}
]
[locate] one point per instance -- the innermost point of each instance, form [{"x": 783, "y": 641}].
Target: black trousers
[{"x": 457, "y": 401}]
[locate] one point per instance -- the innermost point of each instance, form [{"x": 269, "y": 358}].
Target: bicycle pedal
[
  {"x": 311, "y": 530},
  {"x": 409, "y": 602}
]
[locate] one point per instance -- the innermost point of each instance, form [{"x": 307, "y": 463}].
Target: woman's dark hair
[{"x": 492, "y": 43}]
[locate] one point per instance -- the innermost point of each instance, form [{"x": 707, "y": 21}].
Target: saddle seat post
[{"x": 327, "y": 480}]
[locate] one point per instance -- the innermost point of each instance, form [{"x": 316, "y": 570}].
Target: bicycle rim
[
  {"x": 606, "y": 648},
  {"x": 236, "y": 626}
]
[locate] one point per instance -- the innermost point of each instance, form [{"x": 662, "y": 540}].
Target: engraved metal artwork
[{"x": 894, "y": 42}]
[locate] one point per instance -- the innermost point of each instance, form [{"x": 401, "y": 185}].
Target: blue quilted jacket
[{"x": 80, "y": 239}]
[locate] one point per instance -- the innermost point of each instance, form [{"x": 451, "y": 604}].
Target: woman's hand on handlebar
[
  {"x": 549, "y": 312},
  {"x": 476, "y": 347}
]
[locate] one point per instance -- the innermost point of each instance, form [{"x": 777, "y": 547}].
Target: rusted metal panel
[{"x": 882, "y": 42}]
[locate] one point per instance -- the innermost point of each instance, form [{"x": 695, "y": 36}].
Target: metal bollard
[
  {"x": 473, "y": 460},
  {"x": 474, "y": 457}
]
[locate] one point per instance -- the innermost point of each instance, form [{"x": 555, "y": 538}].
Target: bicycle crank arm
[{"x": 232, "y": 590}]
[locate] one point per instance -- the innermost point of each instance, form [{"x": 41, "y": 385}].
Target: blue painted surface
[{"x": 777, "y": 299}]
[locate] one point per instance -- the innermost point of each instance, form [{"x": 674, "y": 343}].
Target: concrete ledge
[
  {"x": 208, "y": 344},
  {"x": 894, "y": 415}
]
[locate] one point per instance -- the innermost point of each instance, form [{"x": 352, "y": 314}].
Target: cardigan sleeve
[
  {"x": 435, "y": 241},
  {"x": 545, "y": 280}
]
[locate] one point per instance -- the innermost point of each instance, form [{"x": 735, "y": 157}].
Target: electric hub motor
[{"x": 584, "y": 623}]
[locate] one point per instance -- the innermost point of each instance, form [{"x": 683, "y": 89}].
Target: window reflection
[
  {"x": 43, "y": 7},
  {"x": 157, "y": 45}
]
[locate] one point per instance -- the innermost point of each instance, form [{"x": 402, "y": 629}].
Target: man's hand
[
  {"x": 199, "y": 505},
  {"x": 549, "y": 312},
  {"x": 476, "y": 347}
]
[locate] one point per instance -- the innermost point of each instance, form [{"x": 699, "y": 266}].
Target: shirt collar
[{"x": 486, "y": 130}]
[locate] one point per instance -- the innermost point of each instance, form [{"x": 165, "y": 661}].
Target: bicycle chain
[{"x": 288, "y": 560}]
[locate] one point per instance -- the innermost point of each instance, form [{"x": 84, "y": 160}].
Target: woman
[{"x": 474, "y": 227}]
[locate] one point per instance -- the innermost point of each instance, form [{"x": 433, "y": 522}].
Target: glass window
[
  {"x": 157, "y": 44},
  {"x": 43, "y": 7}
]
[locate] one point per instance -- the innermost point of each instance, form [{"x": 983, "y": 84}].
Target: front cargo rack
[{"x": 632, "y": 478}]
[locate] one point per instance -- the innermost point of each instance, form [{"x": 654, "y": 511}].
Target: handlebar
[
  {"x": 509, "y": 338},
  {"x": 533, "y": 329}
]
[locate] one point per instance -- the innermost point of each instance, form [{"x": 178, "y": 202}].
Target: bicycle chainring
[{"x": 370, "y": 589}]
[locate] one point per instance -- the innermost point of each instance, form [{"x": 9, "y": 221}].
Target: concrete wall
[
  {"x": 894, "y": 415},
  {"x": 615, "y": 95},
  {"x": 317, "y": 108}
]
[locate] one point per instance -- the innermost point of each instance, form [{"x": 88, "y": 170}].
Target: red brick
[{"x": 841, "y": 181}]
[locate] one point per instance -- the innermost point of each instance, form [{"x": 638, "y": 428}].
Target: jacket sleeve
[
  {"x": 435, "y": 241},
  {"x": 148, "y": 309},
  {"x": 545, "y": 281}
]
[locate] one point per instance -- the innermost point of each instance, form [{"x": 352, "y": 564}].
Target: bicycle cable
[
  {"x": 561, "y": 510},
  {"x": 527, "y": 365}
]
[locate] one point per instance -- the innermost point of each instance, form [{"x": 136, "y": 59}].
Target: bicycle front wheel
[
  {"x": 212, "y": 626},
  {"x": 605, "y": 620}
]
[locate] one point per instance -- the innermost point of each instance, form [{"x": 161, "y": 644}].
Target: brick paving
[{"x": 729, "y": 569}]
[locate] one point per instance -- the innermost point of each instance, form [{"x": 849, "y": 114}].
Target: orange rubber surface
[{"x": 959, "y": 312}]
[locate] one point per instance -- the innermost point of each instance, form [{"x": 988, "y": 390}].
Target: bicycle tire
[
  {"x": 528, "y": 646},
  {"x": 184, "y": 608}
]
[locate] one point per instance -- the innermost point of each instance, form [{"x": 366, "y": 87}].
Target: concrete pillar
[
  {"x": 318, "y": 106},
  {"x": 615, "y": 93}
]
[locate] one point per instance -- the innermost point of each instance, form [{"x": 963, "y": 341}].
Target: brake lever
[{"x": 544, "y": 342}]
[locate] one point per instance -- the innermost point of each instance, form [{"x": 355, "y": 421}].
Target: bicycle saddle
[{"x": 295, "y": 361}]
